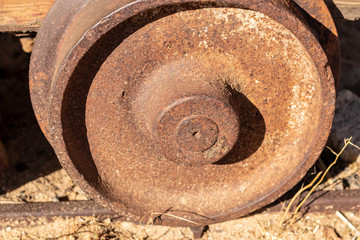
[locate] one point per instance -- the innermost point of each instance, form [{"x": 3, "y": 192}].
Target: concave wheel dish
[{"x": 207, "y": 110}]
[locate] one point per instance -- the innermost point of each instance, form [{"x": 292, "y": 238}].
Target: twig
[
  {"x": 347, "y": 142},
  {"x": 165, "y": 213},
  {"x": 349, "y": 224},
  {"x": 323, "y": 168},
  {"x": 296, "y": 195},
  {"x": 354, "y": 145},
  {"x": 9, "y": 202},
  {"x": 262, "y": 230},
  {"x": 346, "y": 221},
  {"x": 174, "y": 216},
  {"x": 162, "y": 235}
]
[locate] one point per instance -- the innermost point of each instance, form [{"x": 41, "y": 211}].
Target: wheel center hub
[
  {"x": 196, "y": 130},
  {"x": 196, "y": 133}
]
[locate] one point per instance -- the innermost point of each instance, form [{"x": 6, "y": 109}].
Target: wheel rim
[{"x": 108, "y": 116}]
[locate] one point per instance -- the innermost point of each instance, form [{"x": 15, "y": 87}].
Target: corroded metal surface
[
  {"x": 196, "y": 130},
  {"x": 319, "y": 18},
  {"x": 210, "y": 108}
]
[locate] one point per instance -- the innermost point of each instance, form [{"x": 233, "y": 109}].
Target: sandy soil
[{"x": 260, "y": 226}]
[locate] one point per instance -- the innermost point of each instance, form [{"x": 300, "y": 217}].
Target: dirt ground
[
  {"x": 260, "y": 226},
  {"x": 35, "y": 174}
]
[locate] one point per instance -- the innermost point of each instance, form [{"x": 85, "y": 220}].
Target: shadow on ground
[{"x": 30, "y": 154}]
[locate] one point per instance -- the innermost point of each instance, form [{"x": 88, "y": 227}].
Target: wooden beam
[
  {"x": 28, "y": 15},
  {"x": 350, "y": 9},
  {"x": 23, "y": 15}
]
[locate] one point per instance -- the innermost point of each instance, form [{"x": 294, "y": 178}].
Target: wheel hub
[{"x": 197, "y": 130}]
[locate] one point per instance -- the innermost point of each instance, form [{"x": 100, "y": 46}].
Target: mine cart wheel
[{"x": 187, "y": 112}]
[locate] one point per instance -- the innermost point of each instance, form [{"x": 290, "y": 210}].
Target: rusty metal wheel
[{"x": 205, "y": 109}]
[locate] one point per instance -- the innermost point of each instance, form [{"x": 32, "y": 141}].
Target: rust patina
[{"x": 207, "y": 110}]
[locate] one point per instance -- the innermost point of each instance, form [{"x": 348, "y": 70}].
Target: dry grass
[{"x": 313, "y": 185}]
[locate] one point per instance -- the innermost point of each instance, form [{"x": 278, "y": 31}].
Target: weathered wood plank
[
  {"x": 350, "y": 9},
  {"x": 23, "y": 15},
  {"x": 28, "y": 15}
]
